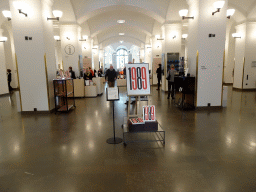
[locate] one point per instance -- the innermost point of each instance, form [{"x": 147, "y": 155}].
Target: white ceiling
[{"x": 144, "y": 18}]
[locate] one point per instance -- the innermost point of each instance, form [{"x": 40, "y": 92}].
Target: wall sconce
[
  {"x": 121, "y": 41},
  {"x": 57, "y": 38},
  {"x": 218, "y": 5},
  {"x": 20, "y": 11},
  {"x": 19, "y": 6},
  {"x": 236, "y": 35},
  {"x": 183, "y": 13},
  {"x": 174, "y": 36},
  {"x": 57, "y": 15},
  {"x": 84, "y": 47},
  {"x": 84, "y": 38},
  {"x": 68, "y": 38},
  {"x": 3, "y": 39},
  {"x": 7, "y": 14},
  {"x": 230, "y": 12},
  {"x": 184, "y": 36}
]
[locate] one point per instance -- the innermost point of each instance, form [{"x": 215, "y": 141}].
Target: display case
[{"x": 64, "y": 94}]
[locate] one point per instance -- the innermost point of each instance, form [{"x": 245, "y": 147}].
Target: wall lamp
[
  {"x": 20, "y": 11},
  {"x": 3, "y": 39},
  {"x": 57, "y": 38},
  {"x": 236, "y": 35},
  {"x": 84, "y": 38},
  {"x": 57, "y": 15},
  {"x": 184, "y": 36},
  {"x": 230, "y": 12},
  {"x": 7, "y": 14},
  {"x": 68, "y": 38},
  {"x": 218, "y": 5},
  {"x": 183, "y": 13},
  {"x": 159, "y": 38}
]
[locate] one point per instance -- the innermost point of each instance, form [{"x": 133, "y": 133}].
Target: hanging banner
[{"x": 137, "y": 79}]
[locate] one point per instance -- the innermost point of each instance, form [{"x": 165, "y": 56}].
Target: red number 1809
[{"x": 138, "y": 78}]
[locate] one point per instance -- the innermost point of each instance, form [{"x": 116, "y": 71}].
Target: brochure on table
[
  {"x": 138, "y": 82},
  {"x": 148, "y": 115}
]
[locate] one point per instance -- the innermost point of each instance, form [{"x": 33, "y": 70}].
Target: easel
[{"x": 138, "y": 109}]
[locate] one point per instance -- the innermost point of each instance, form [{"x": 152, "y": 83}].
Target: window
[{"x": 121, "y": 58}]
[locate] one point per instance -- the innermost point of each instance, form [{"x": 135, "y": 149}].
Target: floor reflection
[{"x": 211, "y": 150}]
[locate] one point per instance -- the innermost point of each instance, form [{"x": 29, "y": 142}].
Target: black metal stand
[{"x": 114, "y": 140}]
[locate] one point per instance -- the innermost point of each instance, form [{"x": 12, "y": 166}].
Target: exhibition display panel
[{"x": 64, "y": 94}]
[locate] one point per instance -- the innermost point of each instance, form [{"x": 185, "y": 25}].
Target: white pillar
[
  {"x": 70, "y": 46},
  {"x": 30, "y": 53},
  {"x": 171, "y": 44},
  {"x": 245, "y": 67},
  {"x": 210, "y": 50},
  {"x": 3, "y": 76}
]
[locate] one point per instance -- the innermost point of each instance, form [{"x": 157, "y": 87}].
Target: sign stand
[{"x": 113, "y": 95}]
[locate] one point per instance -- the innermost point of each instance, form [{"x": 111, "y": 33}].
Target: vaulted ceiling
[{"x": 143, "y": 18}]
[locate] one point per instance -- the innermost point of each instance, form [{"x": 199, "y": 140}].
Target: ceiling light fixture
[
  {"x": 57, "y": 38},
  {"x": 184, "y": 36},
  {"x": 7, "y": 14},
  {"x": 230, "y": 12},
  {"x": 121, "y": 34},
  {"x": 183, "y": 13},
  {"x": 120, "y": 21},
  {"x": 236, "y": 35},
  {"x": 57, "y": 15},
  {"x": 3, "y": 39},
  {"x": 218, "y": 5}
]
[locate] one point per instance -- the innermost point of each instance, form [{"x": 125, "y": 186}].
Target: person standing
[
  {"x": 111, "y": 76},
  {"x": 71, "y": 73},
  {"x": 159, "y": 75},
  {"x": 87, "y": 75},
  {"x": 92, "y": 72},
  {"x": 9, "y": 79},
  {"x": 171, "y": 85}
]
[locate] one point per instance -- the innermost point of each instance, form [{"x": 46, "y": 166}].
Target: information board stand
[{"x": 113, "y": 95}]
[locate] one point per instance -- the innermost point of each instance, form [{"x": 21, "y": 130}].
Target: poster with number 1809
[{"x": 137, "y": 76}]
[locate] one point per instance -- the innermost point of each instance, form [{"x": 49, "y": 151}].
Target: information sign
[
  {"x": 112, "y": 94},
  {"x": 137, "y": 79}
]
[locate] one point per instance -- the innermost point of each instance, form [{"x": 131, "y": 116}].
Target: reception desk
[
  {"x": 121, "y": 82},
  {"x": 78, "y": 87}
]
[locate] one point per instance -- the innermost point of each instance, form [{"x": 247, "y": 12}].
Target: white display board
[
  {"x": 149, "y": 113},
  {"x": 137, "y": 79}
]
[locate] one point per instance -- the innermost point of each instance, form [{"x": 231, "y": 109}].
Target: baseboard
[
  {"x": 210, "y": 108},
  {"x": 5, "y": 95},
  {"x": 243, "y": 90}
]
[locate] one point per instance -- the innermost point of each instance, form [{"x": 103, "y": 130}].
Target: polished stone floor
[{"x": 206, "y": 150}]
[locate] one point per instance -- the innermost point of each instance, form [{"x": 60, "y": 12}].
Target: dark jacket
[
  {"x": 73, "y": 75},
  {"x": 159, "y": 73},
  {"x": 111, "y": 74},
  {"x": 9, "y": 77},
  {"x": 87, "y": 77}
]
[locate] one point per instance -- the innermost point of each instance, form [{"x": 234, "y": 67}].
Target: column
[
  {"x": 70, "y": 46},
  {"x": 245, "y": 59},
  {"x": 34, "y": 75},
  {"x": 210, "y": 50},
  {"x": 3, "y": 76},
  {"x": 171, "y": 44}
]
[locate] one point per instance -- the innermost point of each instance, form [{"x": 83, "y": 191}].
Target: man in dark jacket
[
  {"x": 111, "y": 76},
  {"x": 72, "y": 73},
  {"x": 159, "y": 75}
]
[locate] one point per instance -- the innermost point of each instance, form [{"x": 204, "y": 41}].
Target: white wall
[
  {"x": 70, "y": 58},
  {"x": 239, "y": 56},
  {"x": 250, "y": 56},
  {"x": 10, "y": 53},
  {"x": 3, "y": 76},
  {"x": 49, "y": 49},
  {"x": 229, "y": 53}
]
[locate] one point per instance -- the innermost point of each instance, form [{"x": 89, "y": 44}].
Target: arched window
[{"x": 121, "y": 57}]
